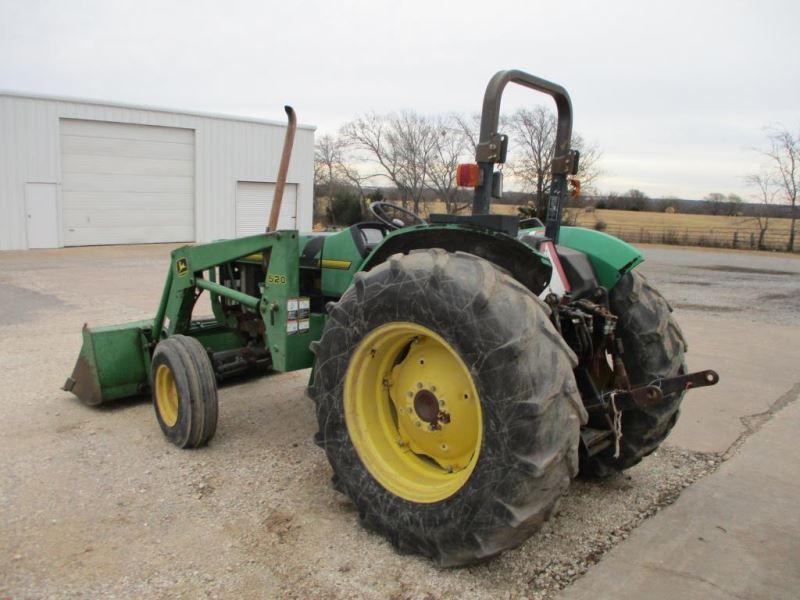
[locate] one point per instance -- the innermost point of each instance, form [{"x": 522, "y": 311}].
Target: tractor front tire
[
  {"x": 184, "y": 391},
  {"x": 654, "y": 347},
  {"x": 446, "y": 405}
]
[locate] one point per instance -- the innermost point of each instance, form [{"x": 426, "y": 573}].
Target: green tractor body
[
  {"x": 303, "y": 269},
  {"x": 462, "y": 368}
]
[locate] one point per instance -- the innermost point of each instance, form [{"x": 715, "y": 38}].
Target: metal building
[{"x": 77, "y": 172}]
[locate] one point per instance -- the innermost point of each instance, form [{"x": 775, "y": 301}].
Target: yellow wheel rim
[
  {"x": 413, "y": 412},
  {"x": 166, "y": 396}
]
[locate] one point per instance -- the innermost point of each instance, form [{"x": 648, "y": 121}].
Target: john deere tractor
[{"x": 464, "y": 369}]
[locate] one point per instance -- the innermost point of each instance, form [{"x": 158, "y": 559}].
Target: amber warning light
[{"x": 468, "y": 175}]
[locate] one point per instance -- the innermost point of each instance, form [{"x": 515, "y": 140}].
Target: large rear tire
[
  {"x": 654, "y": 347},
  {"x": 446, "y": 406}
]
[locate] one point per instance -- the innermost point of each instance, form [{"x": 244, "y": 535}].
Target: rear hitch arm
[{"x": 652, "y": 394}]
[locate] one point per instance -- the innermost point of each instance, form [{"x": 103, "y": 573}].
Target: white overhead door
[
  {"x": 254, "y": 203},
  {"x": 126, "y": 184}
]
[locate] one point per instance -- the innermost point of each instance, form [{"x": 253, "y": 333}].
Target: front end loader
[{"x": 464, "y": 368}]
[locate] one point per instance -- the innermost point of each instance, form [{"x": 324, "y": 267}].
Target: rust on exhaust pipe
[{"x": 286, "y": 156}]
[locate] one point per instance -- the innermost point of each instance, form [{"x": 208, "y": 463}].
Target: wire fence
[{"x": 714, "y": 237}]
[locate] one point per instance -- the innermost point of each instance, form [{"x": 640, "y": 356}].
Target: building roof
[{"x": 194, "y": 113}]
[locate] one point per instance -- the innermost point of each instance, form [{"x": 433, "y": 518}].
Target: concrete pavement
[
  {"x": 736, "y": 532},
  {"x": 733, "y": 534},
  {"x": 756, "y": 364},
  {"x": 95, "y": 503}
]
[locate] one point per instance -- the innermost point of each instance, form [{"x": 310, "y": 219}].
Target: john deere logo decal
[{"x": 182, "y": 266}]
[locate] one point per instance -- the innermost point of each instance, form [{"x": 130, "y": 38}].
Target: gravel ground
[
  {"x": 96, "y": 503},
  {"x": 757, "y": 286}
]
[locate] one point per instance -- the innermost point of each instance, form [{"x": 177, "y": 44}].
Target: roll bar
[{"x": 492, "y": 145}]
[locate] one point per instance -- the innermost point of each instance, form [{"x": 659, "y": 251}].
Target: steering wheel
[{"x": 383, "y": 212}]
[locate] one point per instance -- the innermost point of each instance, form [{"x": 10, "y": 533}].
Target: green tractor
[{"x": 464, "y": 368}]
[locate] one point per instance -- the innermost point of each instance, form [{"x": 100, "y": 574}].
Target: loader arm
[
  {"x": 114, "y": 361},
  {"x": 193, "y": 269}
]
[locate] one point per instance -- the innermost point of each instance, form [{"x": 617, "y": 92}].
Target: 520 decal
[{"x": 278, "y": 279}]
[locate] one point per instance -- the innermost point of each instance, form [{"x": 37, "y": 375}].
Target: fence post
[
  {"x": 752, "y": 240},
  {"x": 735, "y": 238}
]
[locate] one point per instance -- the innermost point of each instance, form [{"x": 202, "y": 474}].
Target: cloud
[{"x": 654, "y": 84}]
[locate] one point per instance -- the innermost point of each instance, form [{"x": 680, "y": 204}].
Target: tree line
[
  {"x": 414, "y": 156},
  {"x": 417, "y": 156}
]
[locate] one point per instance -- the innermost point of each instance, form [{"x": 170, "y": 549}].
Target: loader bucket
[{"x": 113, "y": 363}]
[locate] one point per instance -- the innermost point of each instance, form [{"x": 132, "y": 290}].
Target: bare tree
[
  {"x": 401, "y": 145},
  {"x": 349, "y": 170},
  {"x": 415, "y": 137},
  {"x": 532, "y": 134},
  {"x": 470, "y": 126},
  {"x": 765, "y": 192},
  {"x": 784, "y": 154},
  {"x": 368, "y": 135},
  {"x": 715, "y": 203},
  {"x": 589, "y": 164},
  {"x": 450, "y": 145},
  {"x": 327, "y": 157},
  {"x": 634, "y": 200},
  {"x": 734, "y": 205}
]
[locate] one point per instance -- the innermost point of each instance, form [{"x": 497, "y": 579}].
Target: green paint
[
  {"x": 117, "y": 358},
  {"x": 611, "y": 257},
  {"x": 339, "y": 247},
  {"x": 216, "y": 337},
  {"x": 226, "y": 292},
  {"x": 289, "y": 351}
]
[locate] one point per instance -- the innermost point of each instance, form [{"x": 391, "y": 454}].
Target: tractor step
[{"x": 594, "y": 441}]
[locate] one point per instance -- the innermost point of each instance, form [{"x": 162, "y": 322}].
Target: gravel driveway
[{"x": 96, "y": 502}]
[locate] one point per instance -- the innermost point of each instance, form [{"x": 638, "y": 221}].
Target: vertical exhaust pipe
[{"x": 288, "y": 142}]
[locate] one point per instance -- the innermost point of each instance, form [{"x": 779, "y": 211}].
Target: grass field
[
  {"x": 676, "y": 228},
  {"x": 661, "y": 228}
]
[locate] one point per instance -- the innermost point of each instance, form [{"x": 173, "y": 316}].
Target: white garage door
[
  {"x": 253, "y": 205},
  {"x": 126, "y": 184}
]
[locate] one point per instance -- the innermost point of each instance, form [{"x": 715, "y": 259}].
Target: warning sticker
[{"x": 291, "y": 308}]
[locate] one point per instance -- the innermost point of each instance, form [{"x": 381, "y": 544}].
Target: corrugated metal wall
[{"x": 227, "y": 151}]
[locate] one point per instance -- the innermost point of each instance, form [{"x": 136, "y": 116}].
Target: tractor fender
[
  {"x": 611, "y": 257},
  {"x": 521, "y": 261}
]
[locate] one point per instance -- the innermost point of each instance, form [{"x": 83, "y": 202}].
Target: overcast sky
[{"x": 675, "y": 93}]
